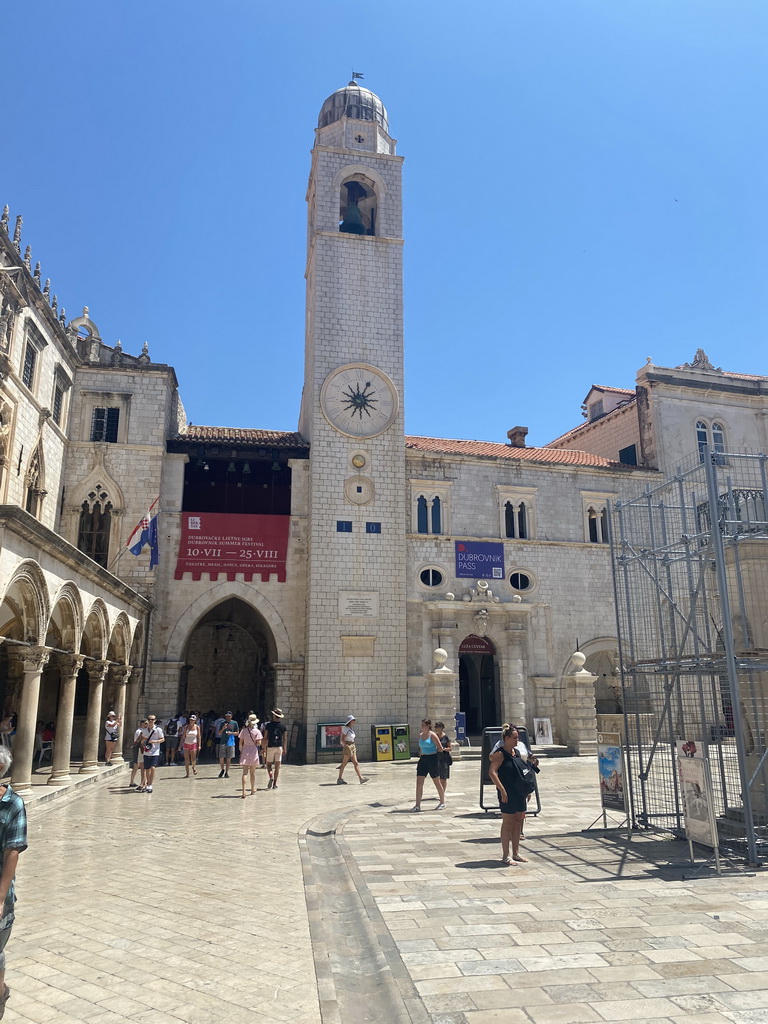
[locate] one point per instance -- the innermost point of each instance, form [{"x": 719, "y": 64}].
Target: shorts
[
  {"x": 171, "y": 742},
  {"x": 428, "y": 765},
  {"x": 445, "y": 769},
  {"x": 137, "y": 757},
  {"x": 151, "y": 760},
  {"x": 516, "y": 804},
  {"x": 190, "y": 746},
  {"x": 5, "y": 934},
  {"x": 226, "y": 751},
  {"x": 274, "y": 755},
  {"x": 349, "y": 750}
]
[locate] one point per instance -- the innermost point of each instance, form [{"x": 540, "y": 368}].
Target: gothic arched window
[
  {"x": 34, "y": 492},
  {"x": 95, "y": 524}
]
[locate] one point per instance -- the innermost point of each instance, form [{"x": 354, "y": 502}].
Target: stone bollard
[
  {"x": 580, "y": 702},
  {"x": 441, "y": 698}
]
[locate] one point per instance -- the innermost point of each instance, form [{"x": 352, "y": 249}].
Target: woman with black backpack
[{"x": 514, "y": 780}]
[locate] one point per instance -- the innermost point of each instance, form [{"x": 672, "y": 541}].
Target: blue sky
[{"x": 584, "y": 187}]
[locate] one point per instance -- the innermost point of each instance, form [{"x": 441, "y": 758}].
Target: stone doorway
[
  {"x": 479, "y": 683},
  {"x": 228, "y": 662}
]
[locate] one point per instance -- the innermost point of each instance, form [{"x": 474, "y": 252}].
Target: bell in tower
[{"x": 352, "y": 222}]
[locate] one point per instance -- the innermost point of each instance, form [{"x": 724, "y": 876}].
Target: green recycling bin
[
  {"x": 381, "y": 742},
  {"x": 401, "y": 742}
]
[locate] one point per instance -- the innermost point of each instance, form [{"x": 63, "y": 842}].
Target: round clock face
[{"x": 359, "y": 400}]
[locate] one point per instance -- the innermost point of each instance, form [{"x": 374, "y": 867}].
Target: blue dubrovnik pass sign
[{"x": 479, "y": 560}]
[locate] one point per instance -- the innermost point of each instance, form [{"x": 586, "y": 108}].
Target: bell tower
[{"x": 352, "y": 413}]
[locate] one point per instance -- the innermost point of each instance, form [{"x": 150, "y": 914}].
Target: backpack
[
  {"x": 526, "y": 774},
  {"x": 172, "y": 727}
]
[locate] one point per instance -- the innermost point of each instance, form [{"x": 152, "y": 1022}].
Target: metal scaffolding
[{"x": 690, "y": 571}]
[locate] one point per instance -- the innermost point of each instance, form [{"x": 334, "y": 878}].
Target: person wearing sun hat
[
  {"x": 349, "y": 751},
  {"x": 276, "y": 736}
]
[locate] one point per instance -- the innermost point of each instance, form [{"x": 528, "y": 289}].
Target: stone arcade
[{"x": 317, "y": 569}]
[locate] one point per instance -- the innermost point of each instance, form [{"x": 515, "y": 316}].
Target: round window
[
  {"x": 520, "y": 581},
  {"x": 431, "y": 577}
]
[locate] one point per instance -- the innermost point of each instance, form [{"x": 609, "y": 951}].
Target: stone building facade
[{"x": 317, "y": 570}]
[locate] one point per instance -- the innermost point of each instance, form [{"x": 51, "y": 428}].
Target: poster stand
[{"x": 613, "y": 792}]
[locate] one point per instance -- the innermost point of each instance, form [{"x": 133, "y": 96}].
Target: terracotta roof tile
[
  {"x": 244, "y": 435},
  {"x": 616, "y": 391},
  {"x": 490, "y": 449}
]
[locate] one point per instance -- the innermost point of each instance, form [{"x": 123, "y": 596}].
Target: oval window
[
  {"x": 520, "y": 581},
  {"x": 431, "y": 577}
]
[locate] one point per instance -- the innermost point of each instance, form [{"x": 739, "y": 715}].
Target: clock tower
[{"x": 352, "y": 414}]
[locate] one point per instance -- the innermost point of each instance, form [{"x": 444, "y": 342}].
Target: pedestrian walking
[
  {"x": 276, "y": 740},
  {"x": 349, "y": 752},
  {"x": 137, "y": 756},
  {"x": 111, "y": 732},
  {"x": 250, "y": 744},
  {"x": 13, "y": 841},
  {"x": 173, "y": 728},
  {"x": 513, "y": 780},
  {"x": 153, "y": 738},
  {"x": 191, "y": 740},
  {"x": 444, "y": 758},
  {"x": 226, "y": 734},
  {"x": 429, "y": 746}
]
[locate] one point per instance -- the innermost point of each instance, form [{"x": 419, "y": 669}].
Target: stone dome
[{"x": 353, "y": 101}]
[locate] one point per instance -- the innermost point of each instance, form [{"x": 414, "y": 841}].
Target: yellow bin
[{"x": 381, "y": 742}]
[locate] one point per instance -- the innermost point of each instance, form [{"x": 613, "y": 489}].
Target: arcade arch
[{"x": 479, "y": 694}]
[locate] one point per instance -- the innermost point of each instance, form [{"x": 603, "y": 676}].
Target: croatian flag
[{"x": 146, "y": 533}]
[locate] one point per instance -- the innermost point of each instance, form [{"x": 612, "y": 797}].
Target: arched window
[
  {"x": 95, "y": 524},
  {"x": 713, "y": 436},
  {"x": 357, "y": 206},
  {"x": 516, "y": 520},
  {"x": 437, "y": 519},
  {"x": 422, "y": 518},
  {"x": 598, "y": 533}
]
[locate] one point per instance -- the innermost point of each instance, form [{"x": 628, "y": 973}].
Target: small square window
[
  {"x": 359, "y": 489},
  {"x": 343, "y": 526}
]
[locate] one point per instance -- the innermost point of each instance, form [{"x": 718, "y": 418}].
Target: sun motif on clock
[{"x": 359, "y": 400}]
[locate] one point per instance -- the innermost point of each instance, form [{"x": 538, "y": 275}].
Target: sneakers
[
  {"x": 440, "y": 807},
  {"x": 140, "y": 789},
  {"x": 226, "y": 775},
  {"x": 274, "y": 785},
  {"x": 363, "y": 781},
  {"x": 415, "y": 809},
  {"x": 148, "y": 789},
  {"x": 340, "y": 782},
  {"x": 221, "y": 774},
  {"x": 107, "y": 764},
  {"x": 132, "y": 785},
  {"x": 270, "y": 784}
]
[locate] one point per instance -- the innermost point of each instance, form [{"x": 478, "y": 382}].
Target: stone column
[
  {"x": 120, "y": 675},
  {"x": 514, "y": 674},
  {"x": 441, "y": 696},
  {"x": 580, "y": 706},
  {"x": 34, "y": 660},
  {"x": 96, "y": 670},
  {"x": 69, "y": 666}
]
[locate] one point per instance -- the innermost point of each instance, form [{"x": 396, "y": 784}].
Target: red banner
[
  {"x": 220, "y": 544},
  {"x": 476, "y": 645}
]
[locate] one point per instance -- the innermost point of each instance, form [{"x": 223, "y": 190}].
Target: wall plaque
[
  {"x": 358, "y": 604},
  {"x": 357, "y": 646}
]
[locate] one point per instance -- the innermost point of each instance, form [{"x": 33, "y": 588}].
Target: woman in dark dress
[{"x": 513, "y": 797}]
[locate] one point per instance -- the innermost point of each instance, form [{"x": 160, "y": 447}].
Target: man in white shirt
[{"x": 152, "y": 737}]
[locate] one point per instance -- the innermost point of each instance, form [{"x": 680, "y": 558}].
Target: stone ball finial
[
  {"x": 578, "y": 659},
  {"x": 450, "y": 597},
  {"x": 440, "y": 656}
]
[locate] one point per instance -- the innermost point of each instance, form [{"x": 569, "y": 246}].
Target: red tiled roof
[
  {"x": 616, "y": 391},
  {"x": 238, "y": 435},
  {"x": 744, "y": 376},
  {"x": 490, "y": 449}
]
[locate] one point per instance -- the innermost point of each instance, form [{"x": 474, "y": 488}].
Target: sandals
[{"x": 520, "y": 860}]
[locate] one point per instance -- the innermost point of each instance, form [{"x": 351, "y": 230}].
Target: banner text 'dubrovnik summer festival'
[{"x": 221, "y": 544}]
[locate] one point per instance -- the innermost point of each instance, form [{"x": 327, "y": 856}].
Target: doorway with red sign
[{"x": 479, "y": 683}]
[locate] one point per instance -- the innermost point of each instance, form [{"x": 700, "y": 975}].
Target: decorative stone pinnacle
[
  {"x": 145, "y": 349},
  {"x": 5, "y": 218},
  {"x": 37, "y": 273},
  {"x": 28, "y": 257},
  {"x": 119, "y": 346},
  {"x": 86, "y": 311},
  {"x": 17, "y": 233},
  {"x": 55, "y": 303},
  {"x": 47, "y": 287}
]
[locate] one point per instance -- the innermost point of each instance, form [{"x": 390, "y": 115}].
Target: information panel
[
  {"x": 220, "y": 544},
  {"x": 479, "y": 560}
]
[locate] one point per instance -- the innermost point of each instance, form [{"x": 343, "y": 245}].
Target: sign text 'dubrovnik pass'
[{"x": 223, "y": 544}]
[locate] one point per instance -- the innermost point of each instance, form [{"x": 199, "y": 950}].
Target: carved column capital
[
  {"x": 120, "y": 674},
  {"x": 96, "y": 670},
  {"x": 34, "y": 659},
  {"x": 70, "y": 664}
]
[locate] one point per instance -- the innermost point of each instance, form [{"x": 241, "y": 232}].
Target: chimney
[{"x": 517, "y": 436}]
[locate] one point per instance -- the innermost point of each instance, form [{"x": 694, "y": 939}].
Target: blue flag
[{"x": 146, "y": 533}]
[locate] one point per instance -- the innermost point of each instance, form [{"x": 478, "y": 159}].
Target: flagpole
[{"x": 125, "y": 547}]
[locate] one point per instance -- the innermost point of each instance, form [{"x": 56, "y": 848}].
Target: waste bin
[
  {"x": 401, "y": 742},
  {"x": 381, "y": 742}
]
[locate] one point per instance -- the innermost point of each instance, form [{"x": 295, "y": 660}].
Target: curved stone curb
[{"x": 360, "y": 975}]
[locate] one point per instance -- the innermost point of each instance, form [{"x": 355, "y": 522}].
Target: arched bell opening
[
  {"x": 479, "y": 683},
  {"x": 358, "y": 206},
  {"x": 228, "y": 662}
]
